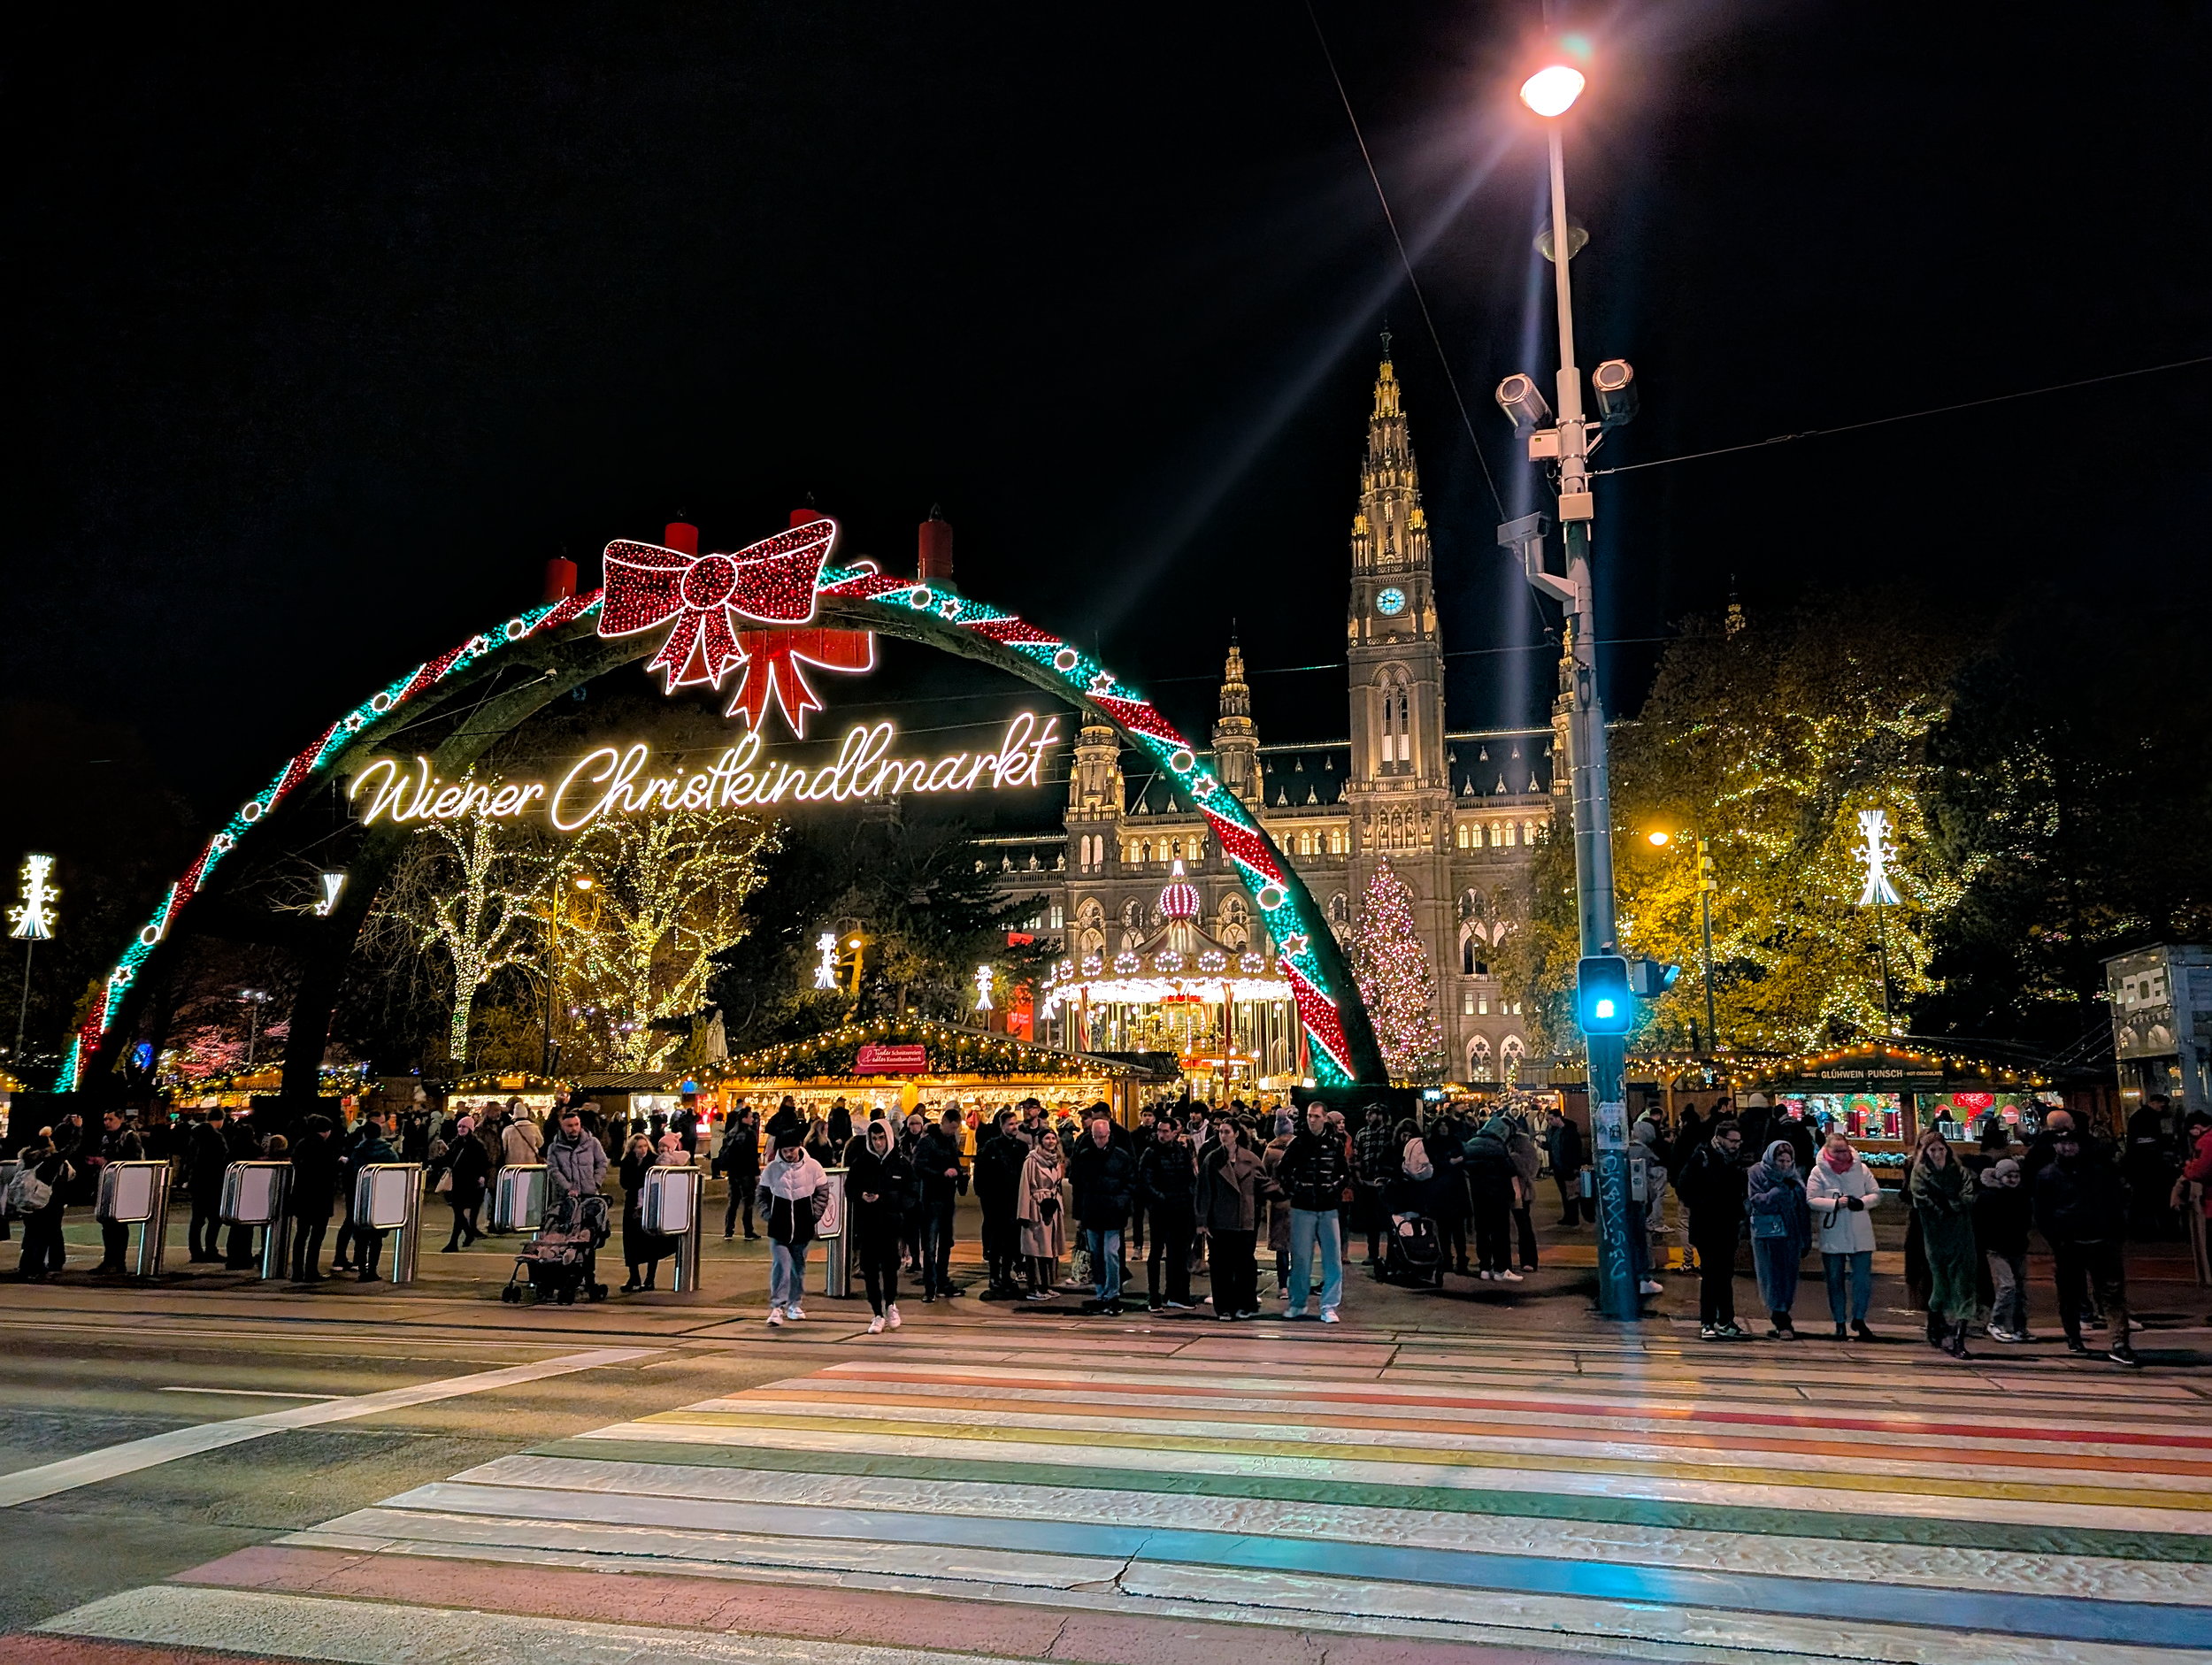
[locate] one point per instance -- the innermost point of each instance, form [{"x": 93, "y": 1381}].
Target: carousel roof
[{"x": 1179, "y": 961}]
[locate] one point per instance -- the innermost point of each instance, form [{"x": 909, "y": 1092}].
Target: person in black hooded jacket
[
  {"x": 877, "y": 1174},
  {"x": 2081, "y": 1205}
]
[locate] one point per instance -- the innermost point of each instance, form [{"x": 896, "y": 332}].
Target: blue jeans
[
  {"x": 1860, "y": 1267},
  {"x": 1104, "y": 1248},
  {"x": 787, "y": 1274},
  {"x": 1309, "y": 1226},
  {"x": 1776, "y": 1260}
]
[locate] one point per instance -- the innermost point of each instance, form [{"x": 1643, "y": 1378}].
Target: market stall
[
  {"x": 896, "y": 1067},
  {"x": 1882, "y": 1093},
  {"x": 538, "y": 1094}
]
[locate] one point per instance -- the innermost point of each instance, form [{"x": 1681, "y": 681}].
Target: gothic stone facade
[{"x": 1456, "y": 812}]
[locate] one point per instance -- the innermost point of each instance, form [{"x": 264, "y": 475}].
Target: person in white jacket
[{"x": 1840, "y": 1191}]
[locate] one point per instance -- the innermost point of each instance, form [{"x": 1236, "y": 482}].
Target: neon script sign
[{"x": 615, "y": 780}]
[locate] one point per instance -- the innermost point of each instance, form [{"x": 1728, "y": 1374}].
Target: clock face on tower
[{"x": 1391, "y": 602}]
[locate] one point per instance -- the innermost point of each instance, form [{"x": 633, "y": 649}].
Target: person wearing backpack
[{"x": 34, "y": 1197}]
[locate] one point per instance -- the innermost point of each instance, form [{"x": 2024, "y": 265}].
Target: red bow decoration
[
  {"x": 704, "y": 596},
  {"x": 778, "y": 654}
]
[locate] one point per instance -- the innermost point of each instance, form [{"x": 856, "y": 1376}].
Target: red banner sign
[{"x": 876, "y": 1059}]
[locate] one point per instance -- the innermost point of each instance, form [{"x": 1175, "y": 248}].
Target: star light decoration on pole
[
  {"x": 1874, "y": 828},
  {"x": 983, "y": 988},
  {"x": 32, "y": 919},
  {"x": 826, "y": 968}
]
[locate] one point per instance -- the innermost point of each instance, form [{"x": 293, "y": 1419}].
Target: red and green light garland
[{"x": 1088, "y": 681}]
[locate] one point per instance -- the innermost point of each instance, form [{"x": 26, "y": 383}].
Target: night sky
[{"x": 323, "y": 342}]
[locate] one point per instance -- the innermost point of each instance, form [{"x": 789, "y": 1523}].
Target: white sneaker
[
  {"x": 1509, "y": 1277},
  {"x": 891, "y": 1317},
  {"x": 1651, "y": 1286},
  {"x": 1328, "y": 1315},
  {"x": 875, "y": 1325},
  {"x": 775, "y": 1318},
  {"x": 794, "y": 1314}
]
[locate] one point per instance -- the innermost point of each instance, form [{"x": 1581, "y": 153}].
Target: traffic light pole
[{"x": 1620, "y": 1257}]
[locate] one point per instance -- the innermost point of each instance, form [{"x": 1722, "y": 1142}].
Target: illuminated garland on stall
[
  {"x": 1283, "y": 903},
  {"x": 952, "y": 1050}
]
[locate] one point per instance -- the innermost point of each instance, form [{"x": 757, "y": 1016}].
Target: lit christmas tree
[{"x": 1396, "y": 981}]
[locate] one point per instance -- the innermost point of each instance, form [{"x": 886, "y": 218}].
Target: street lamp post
[{"x": 1550, "y": 93}]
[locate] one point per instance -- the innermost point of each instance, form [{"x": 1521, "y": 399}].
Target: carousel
[{"x": 1225, "y": 1014}]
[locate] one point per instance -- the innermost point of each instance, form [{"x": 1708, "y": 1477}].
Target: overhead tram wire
[
  {"x": 1405, "y": 260},
  {"x": 1908, "y": 416}
]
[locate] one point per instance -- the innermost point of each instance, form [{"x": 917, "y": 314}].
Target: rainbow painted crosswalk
[{"x": 1037, "y": 1490}]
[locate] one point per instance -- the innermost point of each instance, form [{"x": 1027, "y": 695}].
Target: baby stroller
[
  {"x": 559, "y": 1261},
  {"x": 1416, "y": 1253}
]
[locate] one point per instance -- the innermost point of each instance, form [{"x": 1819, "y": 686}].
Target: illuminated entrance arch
[{"x": 563, "y": 642}]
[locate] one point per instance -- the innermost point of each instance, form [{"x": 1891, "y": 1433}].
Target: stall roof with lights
[
  {"x": 1902, "y": 1065},
  {"x": 951, "y": 1052}
]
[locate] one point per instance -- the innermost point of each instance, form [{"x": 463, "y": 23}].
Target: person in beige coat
[
  {"x": 1041, "y": 1212},
  {"x": 1840, "y": 1191}
]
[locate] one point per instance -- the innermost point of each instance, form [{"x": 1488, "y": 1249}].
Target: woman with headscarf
[
  {"x": 875, "y": 1191},
  {"x": 1943, "y": 1201},
  {"x": 1781, "y": 1230},
  {"x": 1042, "y": 1213},
  {"x": 642, "y": 1250},
  {"x": 463, "y": 1182},
  {"x": 1840, "y": 1191}
]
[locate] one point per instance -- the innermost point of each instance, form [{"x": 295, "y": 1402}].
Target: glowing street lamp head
[
  {"x": 1551, "y": 91},
  {"x": 1659, "y": 841}
]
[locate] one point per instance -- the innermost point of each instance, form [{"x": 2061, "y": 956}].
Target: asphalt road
[{"x": 74, "y": 1391}]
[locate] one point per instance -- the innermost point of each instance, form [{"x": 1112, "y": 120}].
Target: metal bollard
[
  {"x": 137, "y": 1194},
  {"x": 670, "y": 1208},
  {"x": 837, "y": 1252},
  {"x": 254, "y": 1193},
  {"x": 519, "y": 1198},
  {"x": 387, "y": 1197}
]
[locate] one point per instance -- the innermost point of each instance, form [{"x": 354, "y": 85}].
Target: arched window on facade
[
  {"x": 1510, "y": 1056},
  {"x": 1340, "y": 908},
  {"x": 1397, "y": 720},
  {"x": 1479, "y": 1058}
]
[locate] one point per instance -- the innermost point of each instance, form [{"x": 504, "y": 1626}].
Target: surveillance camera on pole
[{"x": 1608, "y": 986}]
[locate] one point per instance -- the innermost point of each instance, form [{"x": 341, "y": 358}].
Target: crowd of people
[
  {"x": 1970, "y": 1217},
  {"x": 461, "y": 1154},
  {"x": 1074, "y": 1200},
  {"x": 1190, "y": 1188}
]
